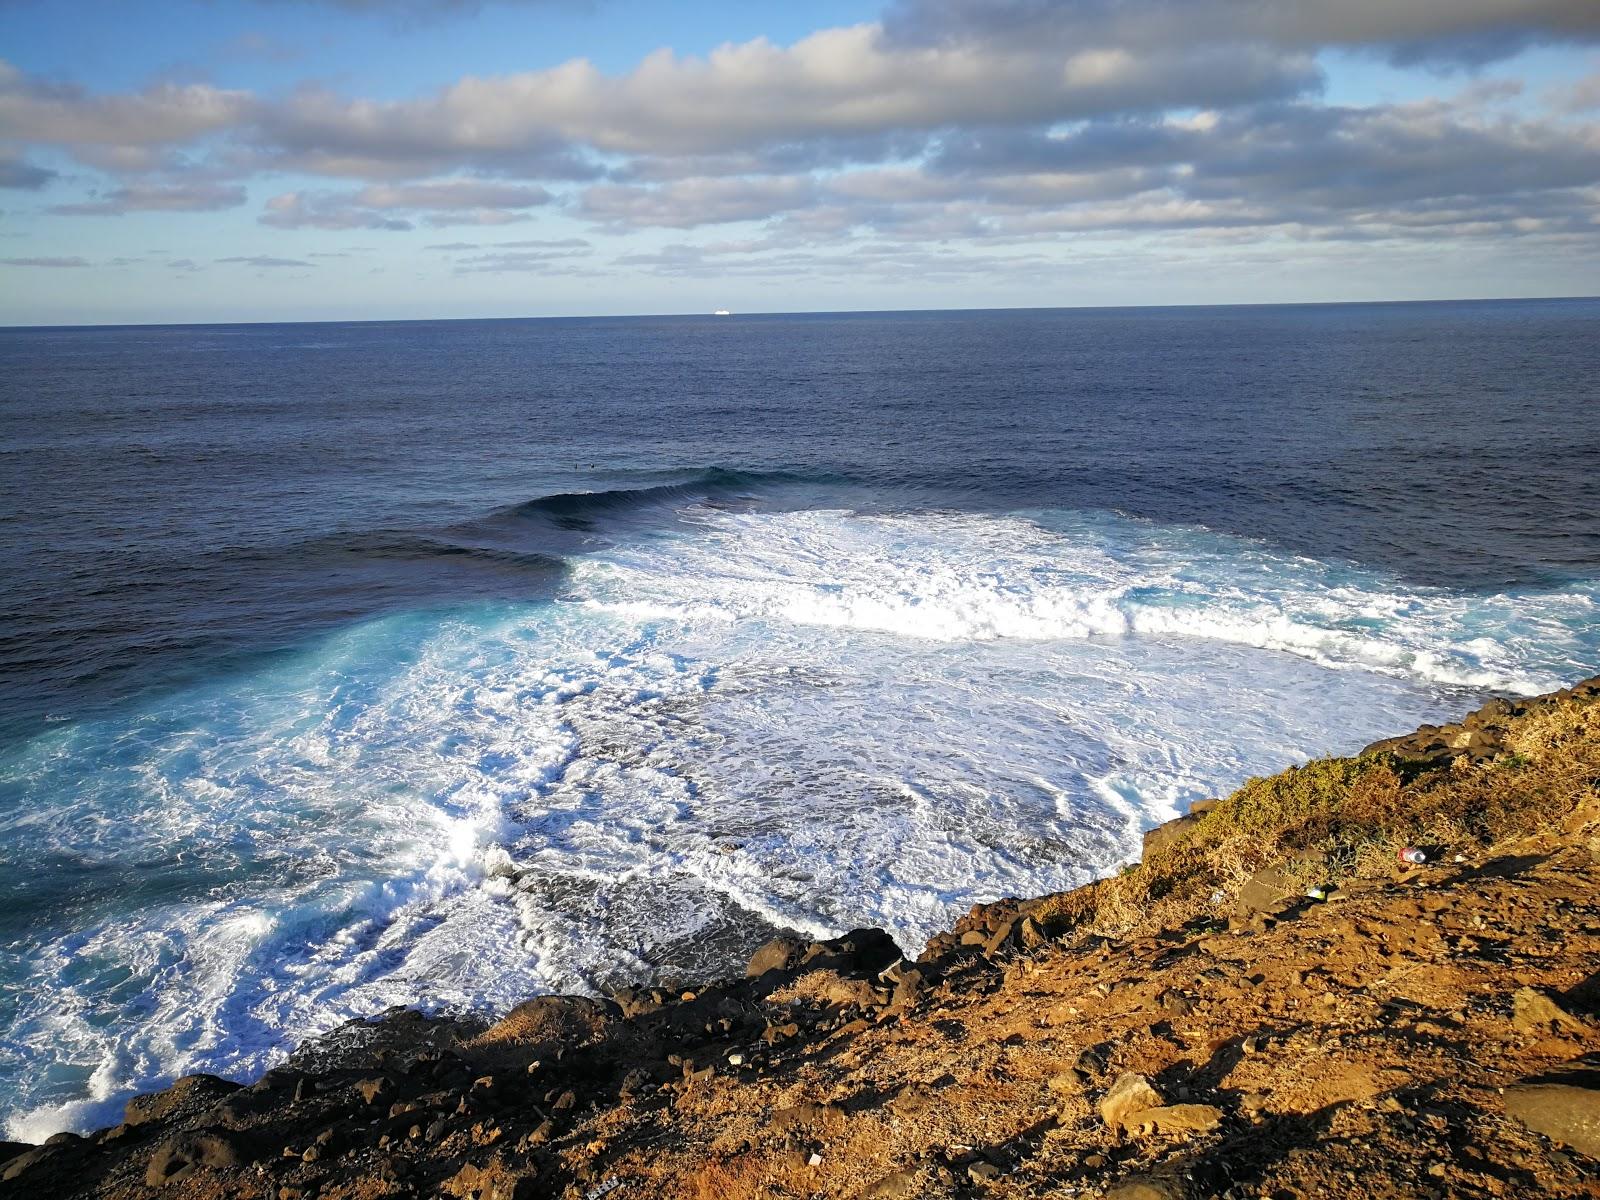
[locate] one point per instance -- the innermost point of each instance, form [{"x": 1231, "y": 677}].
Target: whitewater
[{"x": 728, "y": 719}]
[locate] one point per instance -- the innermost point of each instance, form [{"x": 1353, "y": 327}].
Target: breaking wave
[
  {"x": 737, "y": 719},
  {"x": 713, "y": 485},
  {"x": 958, "y": 577}
]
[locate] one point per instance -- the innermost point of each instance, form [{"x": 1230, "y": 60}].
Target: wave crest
[{"x": 583, "y": 510}]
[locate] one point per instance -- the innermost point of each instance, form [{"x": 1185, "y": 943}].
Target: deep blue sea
[{"x": 347, "y": 665}]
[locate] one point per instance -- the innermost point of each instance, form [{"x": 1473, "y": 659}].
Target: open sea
[{"x": 349, "y": 665}]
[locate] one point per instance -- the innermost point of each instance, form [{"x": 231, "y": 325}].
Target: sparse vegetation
[{"x": 1341, "y": 818}]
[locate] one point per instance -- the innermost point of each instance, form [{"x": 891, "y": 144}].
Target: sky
[{"x": 273, "y": 160}]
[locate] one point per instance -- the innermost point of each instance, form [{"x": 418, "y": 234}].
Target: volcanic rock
[
  {"x": 175, "y": 1159},
  {"x": 189, "y": 1094}
]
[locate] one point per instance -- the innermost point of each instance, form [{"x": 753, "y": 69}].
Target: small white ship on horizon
[{"x": 722, "y": 312}]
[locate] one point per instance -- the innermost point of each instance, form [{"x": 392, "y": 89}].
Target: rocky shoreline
[{"x": 1272, "y": 1005}]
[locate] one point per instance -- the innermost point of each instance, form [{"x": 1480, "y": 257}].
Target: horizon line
[{"x": 820, "y": 312}]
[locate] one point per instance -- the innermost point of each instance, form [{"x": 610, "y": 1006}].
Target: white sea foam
[
  {"x": 814, "y": 719},
  {"x": 956, "y": 577}
]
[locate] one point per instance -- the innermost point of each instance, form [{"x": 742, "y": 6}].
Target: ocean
[{"x": 444, "y": 664}]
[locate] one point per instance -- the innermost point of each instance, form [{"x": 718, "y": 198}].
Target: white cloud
[
  {"x": 1412, "y": 30},
  {"x": 36, "y": 112},
  {"x": 265, "y": 260},
  {"x": 158, "y": 197},
  {"x": 838, "y": 83},
  {"x": 689, "y": 202},
  {"x": 324, "y": 210},
  {"x": 46, "y": 261},
  {"x": 438, "y": 202},
  {"x": 544, "y": 262},
  {"x": 451, "y": 194},
  {"x": 954, "y": 121}
]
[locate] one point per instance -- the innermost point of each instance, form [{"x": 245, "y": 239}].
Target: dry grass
[
  {"x": 753, "y": 1176},
  {"x": 1343, "y": 818}
]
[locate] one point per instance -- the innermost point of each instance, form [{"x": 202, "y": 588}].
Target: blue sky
[{"x": 377, "y": 159}]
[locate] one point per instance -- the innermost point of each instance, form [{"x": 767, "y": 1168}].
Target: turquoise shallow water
[
  {"x": 446, "y": 672},
  {"x": 812, "y": 718}
]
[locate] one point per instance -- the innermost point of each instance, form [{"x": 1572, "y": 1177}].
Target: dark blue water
[
  {"x": 313, "y": 636},
  {"x": 170, "y": 495}
]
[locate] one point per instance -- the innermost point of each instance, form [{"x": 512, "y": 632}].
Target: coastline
[{"x": 1198, "y": 1025}]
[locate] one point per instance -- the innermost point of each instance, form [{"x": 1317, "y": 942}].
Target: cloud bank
[{"x": 974, "y": 124}]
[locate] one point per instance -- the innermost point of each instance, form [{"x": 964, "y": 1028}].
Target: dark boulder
[
  {"x": 861, "y": 951},
  {"x": 18, "y": 1164},
  {"x": 176, "y": 1158},
  {"x": 189, "y": 1095}
]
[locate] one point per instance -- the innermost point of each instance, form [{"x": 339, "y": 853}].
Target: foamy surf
[
  {"x": 958, "y": 577},
  {"x": 813, "y": 719}
]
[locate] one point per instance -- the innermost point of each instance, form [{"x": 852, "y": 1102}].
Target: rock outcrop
[{"x": 1479, "y": 736}]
